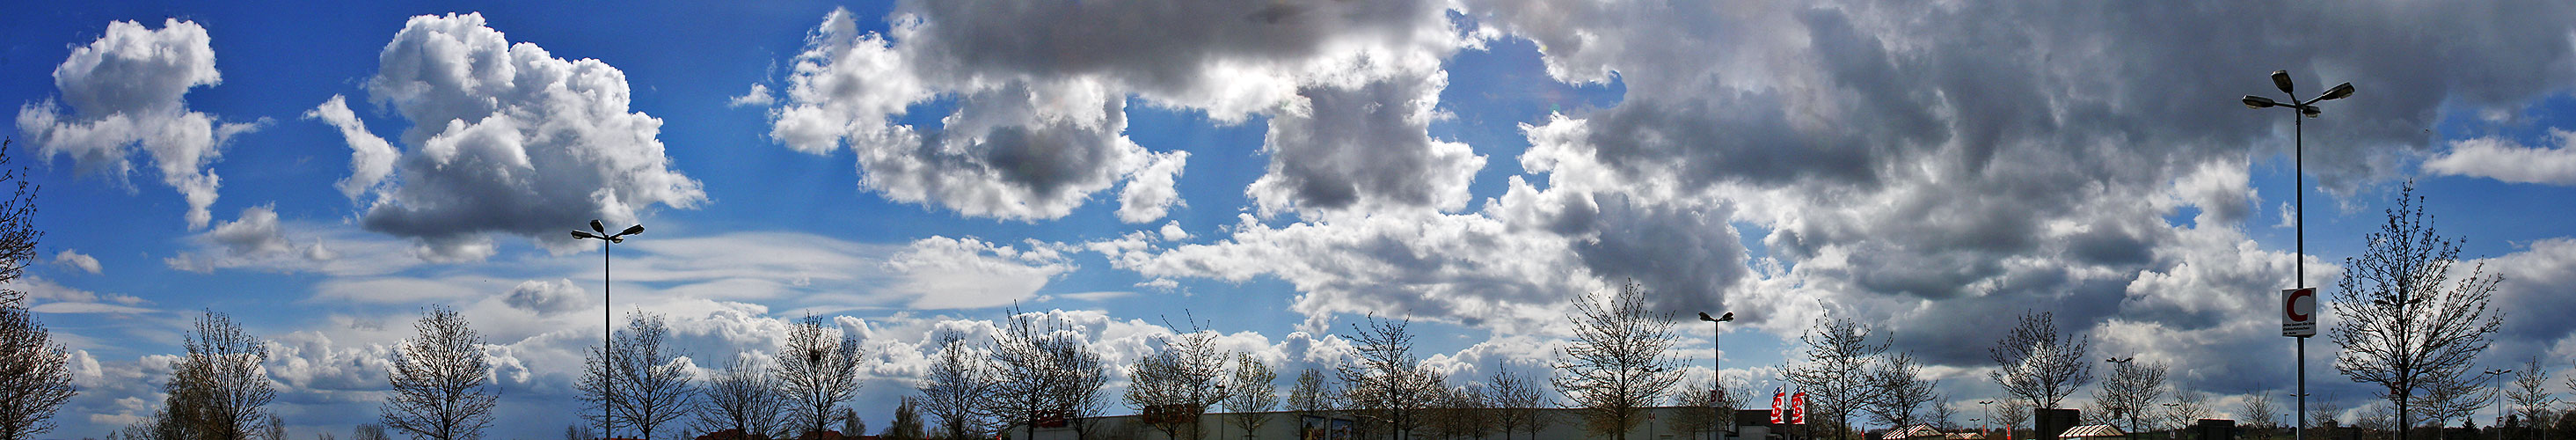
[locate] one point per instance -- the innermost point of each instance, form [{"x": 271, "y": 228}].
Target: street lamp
[
  {"x": 2298, "y": 151},
  {"x": 607, "y": 331},
  {"x": 2498, "y": 395},
  {"x": 2133, "y": 412},
  {"x": 1716, "y": 374},
  {"x": 1989, "y": 405}
]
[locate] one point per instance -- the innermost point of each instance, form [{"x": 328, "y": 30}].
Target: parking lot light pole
[
  {"x": 1717, "y": 374},
  {"x": 2308, "y": 108},
  {"x": 607, "y": 330}
]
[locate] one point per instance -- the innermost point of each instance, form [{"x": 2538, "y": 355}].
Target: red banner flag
[
  {"x": 1777, "y": 397},
  {"x": 1798, "y": 409}
]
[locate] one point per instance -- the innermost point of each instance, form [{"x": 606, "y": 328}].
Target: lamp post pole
[
  {"x": 1716, "y": 371},
  {"x": 2497, "y": 396},
  {"x": 608, "y": 332},
  {"x": 1989, "y": 406},
  {"x": 2298, "y": 151}
]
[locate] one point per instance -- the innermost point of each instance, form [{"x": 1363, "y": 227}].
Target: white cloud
[
  {"x": 77, "y": 260},
  {"x": 759, "y": 96},
  {"x": 126, "y": 91},
  {"x": 944, "y": 273},
  {"x": 46, "y": 296},
  {"x": 548, "y": 297},
  {"x": 2503, "y": 159},
  {"x": 262, "y": 240},
  {"x": 371, "y": 159},
  {"x": 1150, "y": 194},
  {"x": 504, "y": 138},
  {"x": 1038, "y": 126}
]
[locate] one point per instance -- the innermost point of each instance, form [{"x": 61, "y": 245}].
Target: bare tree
[
  {"x": 1700, "y": 411},
  {"x": 1461, "y": 412},
  {"x": 1251, "y": 393},
  {"x": 218, "y": 390},
  {"x": 1048, "y": 374},
  {"x": 958, "y": 387},
  {"x": 2530, "y": 394},
  {"x": 1519, "y": 401},
  {"x": 1386, "y": 383},
  {"x": 2455, "y": 398},
  {"x": 2133, "y": 388},
  {"x": 820, "y": 367},
  {"x": 438, "y": 389},
  {"x": 1175, "y": 385},
  {"x": 744, "y": 399},
  {"x": 642, "y": 384},
  {"x": 1311, "y": 396},
  {"x": 2188, "y": 406},
  {"x": 1619, "y": 361},
  {"x": 2258, "y": 413},
  {"x": 1901, "y": 392},
  {"x": 2038, "y": 365},
  {"x": 2012, "y": 413},
  {"x": 35, "y": 372},
  {"x": 1941, "y": 414},
  {"x": 2402, "y": 322},
  {"x": 1840, "y": 353},
  {"x": 371, "y": 431},
  {"x": 18, "y": 234},
  {"x": 2324, "y": 412},
  {"x": 273, "y": 428}
]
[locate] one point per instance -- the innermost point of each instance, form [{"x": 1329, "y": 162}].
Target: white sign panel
[{"x": 2299, "y": 312}]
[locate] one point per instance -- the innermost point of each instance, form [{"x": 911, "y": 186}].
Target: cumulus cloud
[
  {"x": 1363, "y": 147},
  {"x": 77, "y": 260},
  {"x": 944, "y": 273},
  {"x": 126, "y": 91},
  {"x": 504, "y": 138},
  {"x": 1038, "y": 125},
  {"x": 759, "y": 96},
  {"x": 371, "y": 159},
  {"x": 547, "y": 297},
  {"x": 1150, "y": 192},
  {"x": 2503, "y": 159}
]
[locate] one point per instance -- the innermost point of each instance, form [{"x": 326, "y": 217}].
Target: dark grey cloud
[{"x": 1364, "y": 146}]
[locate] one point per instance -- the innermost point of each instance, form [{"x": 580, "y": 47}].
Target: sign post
[{"x": 2299, "y": 320}]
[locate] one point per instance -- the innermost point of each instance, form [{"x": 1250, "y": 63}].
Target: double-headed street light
[
  {"x": 2308, "y": 108},
  {"x": 1717, "y": 374},
  {"x": 2498, "y": 395},
  {"x": 1989, "y": 405},
  {"x": 607, "y": 331}
]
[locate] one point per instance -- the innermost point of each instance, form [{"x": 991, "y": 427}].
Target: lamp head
[
  {"x": 1728, "y": 316},
  {"x": 595, "y": 227},
  {"x": 2252, "y": 101},
  {"x": 2338, "y": 92},
  {"x": 2310, "y": 111},
  {"x": 580, "y": 234},
  {"x": 2281, "y": 78},
  {"x": 632, "y": 230}
]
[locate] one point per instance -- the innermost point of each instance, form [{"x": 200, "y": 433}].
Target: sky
[{"x": 1273, "y": 171}]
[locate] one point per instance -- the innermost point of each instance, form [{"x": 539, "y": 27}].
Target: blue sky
[{"x": 1278, "y": 170}]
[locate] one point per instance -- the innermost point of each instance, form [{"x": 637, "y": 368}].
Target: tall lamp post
[
  {"x": 2298, "y": 151},
  {"x": 607, "y": 331},
  {"x": 2133, "y": 412},
  {"x": 1717, "y": 374},
  {"x": 2497, "y": 396},
  {"x": 1989, "y": 405}
]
